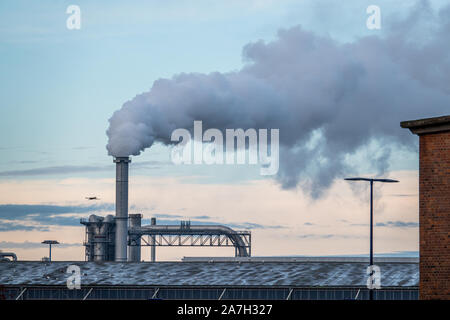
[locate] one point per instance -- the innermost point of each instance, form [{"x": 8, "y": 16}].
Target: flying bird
[{"x": 92, "y": 198}]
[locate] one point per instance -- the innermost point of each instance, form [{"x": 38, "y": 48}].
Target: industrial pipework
[
  {"x": 134, "y": 251},
  {"x": 241, "y": 240},
  {"x": 100, "y": 238},
  {"x": 106, "y": 237},
  {"x": 4, "y": 255},
  {"x": 153, "y": 243},
  {"x": 121, "y": 208}
]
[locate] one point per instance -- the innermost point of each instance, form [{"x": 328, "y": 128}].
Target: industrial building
[
  {"x": 113, "y": 267},
  {"x": 120, "y": 238},
  {"x": 434, "y": 205},
  {"x": 100, "y": 237},
  {"x": 212, "y": 278}
]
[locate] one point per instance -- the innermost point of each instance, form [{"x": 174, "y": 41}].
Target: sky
[{"x": 59, "y": 88}]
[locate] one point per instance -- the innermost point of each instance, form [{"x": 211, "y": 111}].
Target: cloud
[
  {"x": 151, "y": 164},
  {"x": 250, "y": 225},
  {"x": 164, "y": 215},
  {"x": 25, "y": 161},
  {"x": 82, "y": 148},
  {"x": 390, "y": 224},
  {"x": 327, "y": 236},
  {"x": 17, "y": 226},
  {"x": 33, "y": 245},
  {"x": 15, "y": 211},
  {"x": 400, "y": 254},
  {"x": 398, "y": 224},
  {"x": 410, "y": 253},
  {"x": 54, "y": 170},
  {"x": 65, "y": 170},
  {"x": 57, "y": 220},
  {"x": 202, "y": 217},
  {"x": 44, "y": 215}
]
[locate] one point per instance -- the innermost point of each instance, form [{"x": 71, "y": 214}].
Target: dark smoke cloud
[{"x": 329, "y": 99}]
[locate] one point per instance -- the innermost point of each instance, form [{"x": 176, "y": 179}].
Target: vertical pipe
[
  {"x": 90, "y": 241},
  {"x": 250, "y": 245},
  {"x": 50, "y": 252},
  {"x": 100, "y": 239},
  {"x": 371, "y": 233},
  {"x": 153, "y": 247},
  {"x": 134, "y": 249},
  {"x": 109, "y": 238},
  {"x": 121, "y": 208}
]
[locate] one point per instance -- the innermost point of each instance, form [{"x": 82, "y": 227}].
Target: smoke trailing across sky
[{"x": 329, "y": 99}]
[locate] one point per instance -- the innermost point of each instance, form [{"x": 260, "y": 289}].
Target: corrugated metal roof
[{"x": 298, "y": 274}]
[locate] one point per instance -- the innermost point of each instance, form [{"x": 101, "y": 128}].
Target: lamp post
[
  {"x": 50, "y": 242},
  {"x": 371, "y": 215}
]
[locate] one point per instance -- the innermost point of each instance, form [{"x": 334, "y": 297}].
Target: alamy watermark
[
  {"x": 208, "y": 147},
  {"x": 374, "y": 20},
  {"x": 374, "y": 278},
  {"x": 74, "y": 280},
  {"x": 73, "y": 22}
]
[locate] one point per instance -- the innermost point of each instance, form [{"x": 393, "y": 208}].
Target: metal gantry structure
[
  {"x": 197, "y": 239},
  {"x": 186, "y": 234}
]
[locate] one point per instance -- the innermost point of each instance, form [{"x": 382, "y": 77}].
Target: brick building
[{"x": 434, "y": 205}]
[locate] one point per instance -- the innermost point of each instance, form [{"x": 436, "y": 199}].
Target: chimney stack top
[{"x": 122, "y": 159}]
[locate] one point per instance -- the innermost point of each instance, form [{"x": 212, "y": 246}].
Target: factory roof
[
  {"x": 428, "y": 125},
  {"x": 236, "y": 273}
]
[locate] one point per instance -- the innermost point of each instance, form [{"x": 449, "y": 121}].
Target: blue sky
[{"x": 59, "y": 87}]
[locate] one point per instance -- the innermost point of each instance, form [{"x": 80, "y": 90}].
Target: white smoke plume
[{"x": 329, "y": 99}]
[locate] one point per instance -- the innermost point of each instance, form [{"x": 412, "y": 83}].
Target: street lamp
[
  {"x": 371, "y": 215},
  {"x": 50, "y": 242}
]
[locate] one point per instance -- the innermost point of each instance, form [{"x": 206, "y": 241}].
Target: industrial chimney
[{"x": 121, "y": 208}]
